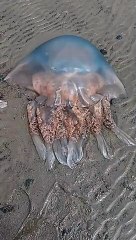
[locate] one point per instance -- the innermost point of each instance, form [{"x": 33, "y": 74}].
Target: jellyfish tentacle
[
  {"x": 110, "y": 124},
  {"x": 75, "y": 152},
  {"x": 69, "y": 92},
  {"x": 41, "y": 116},
  {"x": 50, "y": 156},
  {"x": 58, "y": 99},
  {"x": 50, "y": 122},
  {"x": 79, "y": 149},
  {"x": 86, "y": 101},
  {"x": 34, "y": 130},
  {"x": 60, "y": 150},
  {"x": 124, "y": 136},
  {"x": 103, "y": 146},
  {"x": 72, "y": 154},
  {"x": 96, "y": 98},
  {"x": 44, "y": 123},
  {"x": 97, "y": 123}
]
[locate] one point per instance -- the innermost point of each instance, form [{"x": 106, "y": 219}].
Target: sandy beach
[{"x": 97, "y": 199}]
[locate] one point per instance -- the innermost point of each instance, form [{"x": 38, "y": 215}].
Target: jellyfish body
[{"x": 75, "y": 85}]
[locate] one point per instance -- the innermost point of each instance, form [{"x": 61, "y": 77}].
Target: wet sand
[{"x": 96, "y": 200}]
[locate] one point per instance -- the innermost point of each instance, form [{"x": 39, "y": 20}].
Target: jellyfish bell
[
  {"x": 78, "y": 84},
  {"x": 21, "y": 76},
  {"x": 67, "y": 54}
]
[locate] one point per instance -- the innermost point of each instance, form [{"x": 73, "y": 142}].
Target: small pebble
[
  {"x": 7, "y": 208},
  {"x": 1, "y": 78},
  {"x": 1, "y": 95},
  {"x": 3, "y": 104},
  {"x": 28, "y": 182},
  {"x": 103, "y": 51},
  {"x": 119, "y": 37}
]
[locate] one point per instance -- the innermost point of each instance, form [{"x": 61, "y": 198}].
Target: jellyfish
[{"x": 74, "y": 85}]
